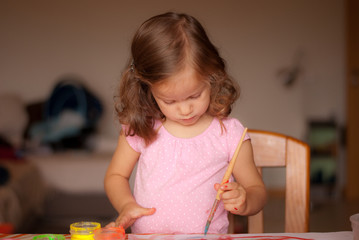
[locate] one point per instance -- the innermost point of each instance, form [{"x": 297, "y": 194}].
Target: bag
[
  {"x": 71, "y": 94},
  {"x": 70, "y": 115}
]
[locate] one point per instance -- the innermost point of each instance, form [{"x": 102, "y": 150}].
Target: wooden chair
[{"x": 277, "y": 150}]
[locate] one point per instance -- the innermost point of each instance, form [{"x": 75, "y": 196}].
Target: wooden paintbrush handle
[{"x": 229, "y": 170}]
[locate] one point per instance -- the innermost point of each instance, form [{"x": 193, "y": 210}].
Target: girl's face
[{"x": 182, "y": 98}]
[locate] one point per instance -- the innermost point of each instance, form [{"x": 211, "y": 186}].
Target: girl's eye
[
  {"x": 195, "y": 96},
  {"x": 168, "y": 102}
]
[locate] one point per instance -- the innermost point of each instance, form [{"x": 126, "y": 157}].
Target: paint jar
[
  {"x": 110, "y": 233},
  {"x": 49, "y": 237},
  {"x": 7, "y": 228},
  {"x": 354, "y": 219},
  {"x": 83, "y": 230}
]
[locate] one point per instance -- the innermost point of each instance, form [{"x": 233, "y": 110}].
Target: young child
[{"x": 173, "y": 103}]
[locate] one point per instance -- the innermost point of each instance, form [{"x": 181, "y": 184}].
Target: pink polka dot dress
[{"x": 176, "y": 176}]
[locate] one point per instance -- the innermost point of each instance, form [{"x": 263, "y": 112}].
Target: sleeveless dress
[{"x": 177, "y": 177}]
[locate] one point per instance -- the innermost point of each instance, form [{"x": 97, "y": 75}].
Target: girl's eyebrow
[{"x": 162, "y": 97}]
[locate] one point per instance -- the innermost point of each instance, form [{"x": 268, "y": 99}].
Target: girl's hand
[
  {"x": 129, "y": 214},
  {"x": 234, "y": 197}
]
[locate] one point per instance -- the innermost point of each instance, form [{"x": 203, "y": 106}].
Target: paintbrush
[{"x": 225, "y": 179}]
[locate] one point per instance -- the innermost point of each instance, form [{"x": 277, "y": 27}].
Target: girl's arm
[
  {"x": 246, "y": 196},
  {"x": 117, "y": 184}
]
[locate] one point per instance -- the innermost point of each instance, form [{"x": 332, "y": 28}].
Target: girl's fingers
[
  {"x": 233, "y": 196},
  {"x": 124, "y": 221},
  {"x": 148, "y": 211},
  {"x": 127, "y": 220},
  {"x": 236, "y": 196},
  {"x": 226, "y": 186},
  {"x": 111, "y": 224},
  {"x": 229, "y": 186}
]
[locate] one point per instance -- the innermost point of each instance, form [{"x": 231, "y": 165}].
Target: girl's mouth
[{"x": 189, "y": 120}]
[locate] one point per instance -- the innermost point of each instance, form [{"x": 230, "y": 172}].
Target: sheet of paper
[{"x": 267, "y": 236}]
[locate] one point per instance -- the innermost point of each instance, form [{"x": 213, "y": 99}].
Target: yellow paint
[{"x": 83, "y": 230}]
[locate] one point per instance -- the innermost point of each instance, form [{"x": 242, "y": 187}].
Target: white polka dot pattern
[{"x": 176, "y": 176}]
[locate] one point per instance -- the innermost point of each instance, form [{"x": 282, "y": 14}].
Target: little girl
[{"x": 173, "y": 103}]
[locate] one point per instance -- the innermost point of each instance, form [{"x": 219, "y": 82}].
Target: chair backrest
[{"x": 277, "y": 150}]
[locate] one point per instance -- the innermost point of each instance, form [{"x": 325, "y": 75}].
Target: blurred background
[{"x": 60, "y": 64}]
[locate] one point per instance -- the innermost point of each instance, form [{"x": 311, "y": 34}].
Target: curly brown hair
[{"x": 161, "y": 47}]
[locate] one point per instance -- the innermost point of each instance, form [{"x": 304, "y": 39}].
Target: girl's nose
[{"x": 185, "y": 109}]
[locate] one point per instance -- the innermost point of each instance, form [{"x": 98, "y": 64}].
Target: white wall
[{"x": 42, "y": 40}]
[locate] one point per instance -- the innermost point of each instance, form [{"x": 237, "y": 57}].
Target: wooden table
[{"x": 345, "y": 235}]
